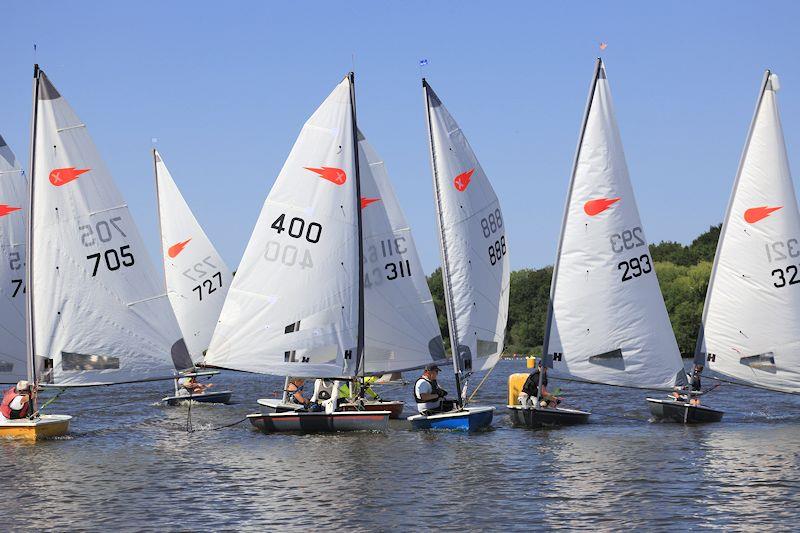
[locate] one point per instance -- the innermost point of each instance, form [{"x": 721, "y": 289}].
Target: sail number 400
[
  {"x": 298, "y": 229},
  {"x": 635, "y": 267},
  {"x": 113, "y": 259}
]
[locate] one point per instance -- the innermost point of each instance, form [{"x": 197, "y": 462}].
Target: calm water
[{"x": 135, "y": 467}]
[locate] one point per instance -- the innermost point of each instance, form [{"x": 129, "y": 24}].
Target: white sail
[
  {"x": 474, "y": 247},
  {"x": 98, "y": 312},
  {"x": 752, "y": 306},
  {"x": 197, "y": 279},
  {"x": 13, "y": 201},
  {"x": 301, "y": 264},
  {"x": 607, "y": 322},
  {"x": 401, "y": 330}
]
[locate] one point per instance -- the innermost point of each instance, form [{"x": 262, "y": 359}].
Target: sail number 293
[{"x": 635, "y": 267}]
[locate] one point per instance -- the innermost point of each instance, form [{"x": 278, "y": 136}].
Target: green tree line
[{"x": 683, "y": 273}]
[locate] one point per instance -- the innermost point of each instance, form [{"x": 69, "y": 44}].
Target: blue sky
[{"x": 226, "y": 86}]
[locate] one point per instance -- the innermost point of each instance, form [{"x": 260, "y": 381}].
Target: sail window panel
[
  {"x": 78, "y": 361},
  {"x": 763, "y": 361}
]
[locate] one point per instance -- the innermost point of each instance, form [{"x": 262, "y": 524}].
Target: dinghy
[
  {"x": 296, "y": 306},
  {"x": 749, "y": 330},
  {"x": 184, "y": 396},
  {"x": 475, "y": 267},
  {"x": 195, "y": 276},
  {"x": 95, "y": 313},
  {"x": 606, "y": 322}
]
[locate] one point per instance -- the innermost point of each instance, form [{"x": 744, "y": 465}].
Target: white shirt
[{"x": 423, "y": 386}]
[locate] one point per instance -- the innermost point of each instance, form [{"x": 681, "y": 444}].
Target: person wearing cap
[
  {"x": 428, "y": 395},
  {"x": 16, "y": 401},
  {"x": 189, "y": 386}
]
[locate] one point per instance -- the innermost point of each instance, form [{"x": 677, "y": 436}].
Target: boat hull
[
  {"x": 682, "y": 412},
  {"x": 309, "y": 422},
  {"x": 537, "y": 417},
  {"x": 43, "y": 427},
  {"x": 467, "y": 419},
  {"x": 395, "y": 408},
  {"x": 278, "y": 406},
  {"x": 223, "y": 396}
]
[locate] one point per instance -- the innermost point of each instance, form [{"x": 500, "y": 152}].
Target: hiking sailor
[
  {"x": 16, "y": 402},
  {"x": 189, "y": 386},
  {"x": 428, "y": 395},
  {"x": 294, "y": 392}
]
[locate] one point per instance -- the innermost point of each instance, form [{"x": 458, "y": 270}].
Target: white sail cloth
[
  {"x": 608, "y": 322},
  {"x": 99, "y": 314},
  {"x": 13, "y": 202},
  {"x": 752, "y": 306},
  {"x": 197, "y": 279},
  {"x": 301, "y": 263},
  {"x": 475, "y": 266},
  {"x": 401, "y": 330}
]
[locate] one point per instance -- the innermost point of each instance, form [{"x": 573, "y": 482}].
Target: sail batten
[
  {"x": 87, "y": 264},
  {"x": 749, "y": 318},
  {"x": 607, "y": 322}
]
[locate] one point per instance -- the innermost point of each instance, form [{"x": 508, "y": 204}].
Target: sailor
[
  {"x": 694, "y": 383},
  {"x": 528, "y": 394},
  {"x": 326, "y": 394},
  {"x": 189, "y": 386},
  {"x": 16, "y": 401},
  {"x": 428, "y": 395},
  {"x": 294, "y": 392},
  {"x": 366, "y": 389}
]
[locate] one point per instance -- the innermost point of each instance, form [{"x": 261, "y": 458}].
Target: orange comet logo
[
  {"x": 332, "y": 174},
  {"x": 62, "y": 176},
  {"x": 175, "y": 249},
  {"x": 6, "y": 209},
  {"x": 461, "y": 181},
  {"x": 366, "y": 201},
  {"x": 754, "y": 214},
  {"x": 598, "y": 205}
]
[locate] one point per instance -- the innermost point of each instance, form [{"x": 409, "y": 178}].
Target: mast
[
  {"x": 449, "y": 305},
  {"x": 31, "y": 351},
  {"x": 360, "y": 366},
  {"x": 545, "y": 345},
  {"x": 699, "y": 358}
]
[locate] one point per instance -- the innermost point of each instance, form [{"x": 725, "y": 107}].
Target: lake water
[{"x": 130, "y": 464}]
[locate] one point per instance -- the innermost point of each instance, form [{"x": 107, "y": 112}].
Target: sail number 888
[{"x": 492, "y": 223}]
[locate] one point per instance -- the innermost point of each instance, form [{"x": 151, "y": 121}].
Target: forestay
[
  {"x": 98, "y": 312},
  {"x": 607, "y": 321},
  {"x": 13, "y": 199},
  {"x": 401, "y": 330},
  {"x": 301, "y": 264},
  {"x": 753, "y": 302},
  {"x": 197, "y": 279},
  {"x": 473, "y": 240}
]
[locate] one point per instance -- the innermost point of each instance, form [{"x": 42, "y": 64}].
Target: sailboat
[
  {"x": 475, "y": 267},
  {"x": 95, "y": 313},
  {"x": 196, "y": 277},
  {"x": 304, "y": 264},
  {"x": 14, "y": 365},
  {"x": 606, "y": 322},
  {"x": 401, "y": 332},
  {"x": 749, "y": 329}
]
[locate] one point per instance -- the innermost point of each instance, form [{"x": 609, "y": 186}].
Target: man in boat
[
  {"x": 294, "y": 392},
  {"x": 366, "y": 389},
  {"x": 428, "y": 395},
  {"x": 530, "y": 389},
  {"x": 692, "y": 397},
  {"x": 16, "y": 401},
  {"x": 189, "y": 386}
]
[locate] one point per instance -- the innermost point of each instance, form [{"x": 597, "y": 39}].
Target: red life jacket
[{"x": 5, "y": 406}]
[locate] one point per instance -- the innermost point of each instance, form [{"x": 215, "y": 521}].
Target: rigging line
[
  {"x": 750, "y": 385},
  {"x": 48, "y": 402},
  {"x": 552, "y": 376},
  {"x": 481, "y": 383},
  {"x": 221, "y": 427}
]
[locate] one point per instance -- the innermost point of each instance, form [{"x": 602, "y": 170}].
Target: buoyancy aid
[
  {"x": 423, "y": 405},
  {"x": 5, "y": 406}
]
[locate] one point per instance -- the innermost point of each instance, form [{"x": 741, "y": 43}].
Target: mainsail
[
  {"x": 302, "y": 264},
  {"x": 197, "y": 278},
  {"x": 473, "y": 242},
  {"x": 607, "y": 321},
  {"x": 750, "y": 317},
  {"x": 401, "y": 330},
  {"x": 13, "y": 199},
  {"x": 97, "y": 314}
]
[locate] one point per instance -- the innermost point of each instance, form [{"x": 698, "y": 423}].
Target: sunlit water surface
[{"x": 130, "y": 464}]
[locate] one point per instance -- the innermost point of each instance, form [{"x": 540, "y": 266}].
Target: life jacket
[
  {"x": 5, "y": 406},
  {"x": 423, "y": 405}
]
